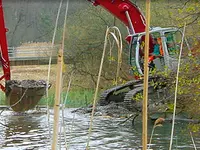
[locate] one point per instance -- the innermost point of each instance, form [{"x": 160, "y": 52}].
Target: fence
[
  {"x": 32, "y": 52},
  {"x": 32, "y": 55}
]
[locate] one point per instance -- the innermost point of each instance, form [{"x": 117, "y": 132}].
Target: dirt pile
[
  {"x": 26, "y": 83},
  {"x": 24, "y": 95}
]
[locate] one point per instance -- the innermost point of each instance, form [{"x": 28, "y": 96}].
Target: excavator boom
[
  {"x": 4, "y": 49},
  {"x": 128, "y": 13},
  {"x": 125, "y": 11}
]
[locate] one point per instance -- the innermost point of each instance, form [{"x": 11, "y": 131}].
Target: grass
[
  {"x": 2, "y": 98},
  {"x": 76, "y": 98}
]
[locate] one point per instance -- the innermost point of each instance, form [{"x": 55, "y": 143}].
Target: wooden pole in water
[
  {"x": 57, "y": 99},
  {"x": 59, "y": 86},
  {"x": 146, "y": 78}
]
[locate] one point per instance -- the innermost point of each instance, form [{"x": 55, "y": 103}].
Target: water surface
[{"x": 32, "y": 131}]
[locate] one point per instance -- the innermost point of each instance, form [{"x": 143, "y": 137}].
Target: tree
[{"x": 86, "y": 34}]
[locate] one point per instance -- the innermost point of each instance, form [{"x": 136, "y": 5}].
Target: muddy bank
[
  {"x": 118, "y": 110},
  {"x": 115, "y": 106},
  {"x": 112, "y": 109}
]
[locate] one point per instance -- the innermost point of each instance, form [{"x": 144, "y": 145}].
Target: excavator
[
  {"x": 167, "y": 40},
  {"x": 24, "y": 95}
]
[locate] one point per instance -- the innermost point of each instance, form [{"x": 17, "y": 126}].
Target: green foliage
[
  {"x": 2, "y": 98},
  {"x": 111, "y": 59},
  {"x": 194, "y": 128},
  {"x": 138, "y": 97},
  {"x": 188, "y": 12},
  {"x": 76, "y": 98},
  {"x": 161, "y": 12},
  {"x": 170, "y": 107},
  {"x": 188, "y": 86},
  {"x": 45, "y": 24},
  {"x": 118, "y": 81},
  {"x": 49, "y": 100},
  {"x": 86, "y": 34},
  {"x": 79, "y": 98}
]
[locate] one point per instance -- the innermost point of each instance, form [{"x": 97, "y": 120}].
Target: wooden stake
[
  {"x": 146, "y": 78},
  {"x": 176, "y": 88},
  {"x": 57, "y": 99},
  {"x": 59, "y": 85}
]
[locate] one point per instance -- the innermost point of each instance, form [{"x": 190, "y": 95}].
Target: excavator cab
[{"x": 168, "y": 40}]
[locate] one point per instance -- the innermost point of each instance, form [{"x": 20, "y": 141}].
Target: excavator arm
[
  {"x": 125, "y": 11},
  {"x": 3, "y": 49},
  {"x": 128, "y": 13}
]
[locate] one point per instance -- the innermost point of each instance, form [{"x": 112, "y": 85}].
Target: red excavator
[
  {"x": 164, "y": 47},
  {"x": 25, "y": 95},
  {"x": 20, "y": 95}
]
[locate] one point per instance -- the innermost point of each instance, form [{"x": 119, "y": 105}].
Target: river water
[{"x": 31, "y": 131}]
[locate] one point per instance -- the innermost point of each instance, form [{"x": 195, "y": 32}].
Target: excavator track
[
  {"x": 119, "y": 94},
  {"x": 131, "y": 102},
  {"x": 129, "y": 97},
  {"x": 104, "y": 97}
]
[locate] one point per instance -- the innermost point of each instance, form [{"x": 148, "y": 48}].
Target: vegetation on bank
[{"x": 74, "y": 99}]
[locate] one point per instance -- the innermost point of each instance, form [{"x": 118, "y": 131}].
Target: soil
[{"x": 26, "y": 83}]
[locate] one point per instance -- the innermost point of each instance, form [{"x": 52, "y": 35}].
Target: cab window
[{"x": 173, "y": 41}]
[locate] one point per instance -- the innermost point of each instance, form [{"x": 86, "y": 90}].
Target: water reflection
[
  {"x": 30, "y": 131},
  {"x": 23, "y": 130}
]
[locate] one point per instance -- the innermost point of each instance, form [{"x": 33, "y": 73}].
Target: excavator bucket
[{"x": 24, "y": 95}]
